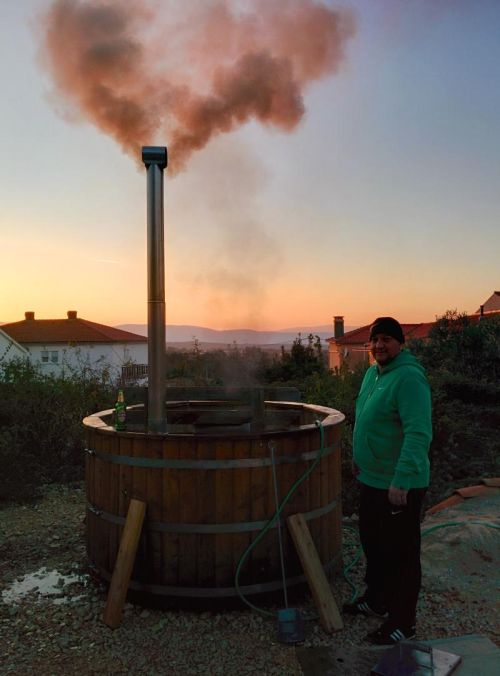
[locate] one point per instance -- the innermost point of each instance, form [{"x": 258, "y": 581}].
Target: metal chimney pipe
[{"x": 155, "y": 159}]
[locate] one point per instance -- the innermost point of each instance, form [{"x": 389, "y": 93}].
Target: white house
[
  {"x": 492, "y": 305},
  {"x": 10, "y": 349},
  {"x": 59, "y": 345}
]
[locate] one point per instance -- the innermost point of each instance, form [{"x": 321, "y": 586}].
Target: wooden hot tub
[{"x": 208, "y": 485}]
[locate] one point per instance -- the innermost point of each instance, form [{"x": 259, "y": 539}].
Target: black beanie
[{"x": 389, "y": 326}]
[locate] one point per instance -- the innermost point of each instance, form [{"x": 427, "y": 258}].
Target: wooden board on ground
[
  {"x": 322, "y": 594},
  {"x": 112, "y": 615},
  {"x": 492, "y": 481}
]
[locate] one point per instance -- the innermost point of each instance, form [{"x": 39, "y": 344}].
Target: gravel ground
[{"x": 62, "y": 633}]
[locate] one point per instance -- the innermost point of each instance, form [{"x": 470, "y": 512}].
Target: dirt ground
[{"x": 51, "y": 604}]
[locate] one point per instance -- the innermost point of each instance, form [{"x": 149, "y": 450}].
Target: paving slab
[{"x": 480, "y": 656}]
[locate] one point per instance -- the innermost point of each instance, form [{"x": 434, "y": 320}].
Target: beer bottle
[{"x": 120, "y": 412}]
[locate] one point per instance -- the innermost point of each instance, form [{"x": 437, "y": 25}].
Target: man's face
[{"x": 384, "y": 348}]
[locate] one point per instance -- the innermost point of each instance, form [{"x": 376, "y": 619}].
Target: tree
[
  {"x": 461, "y": 345},
  {"x": 462, "y": 358},
  {"x": 302, "y": 361}
]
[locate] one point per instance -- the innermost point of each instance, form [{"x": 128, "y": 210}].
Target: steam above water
[{"x": 182, "y": 72}]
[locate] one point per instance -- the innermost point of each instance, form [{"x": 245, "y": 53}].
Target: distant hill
[{"x": 176, "y": 334}]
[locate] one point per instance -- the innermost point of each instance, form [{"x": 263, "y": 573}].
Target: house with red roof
[
  {"x": 353, "y": 348},
  {"x": 76, "y": 343},
  {"x": 492, "y": 305}
]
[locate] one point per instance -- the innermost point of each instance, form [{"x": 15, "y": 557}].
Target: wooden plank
[
  {"x": 336, "y": 514},
  {"x": 188, "y": 514},
  {"x": 241, "y": 499},
  {"x": 271, "y": 537},
  {"x": 322, "y": 594},
  {"x": 287, "y": 475},
  {"x": 125, "y": 477},
  {"x": 170, "y": 571},
  {"x": 315, "y": 494},
  {"x": 139, "y": 474},
  {"x": 112, "y": 615},
  {"x": 224, "y": 573},
  {"x": 325, "y": 481},
  {"x": 154, "y": 489},
  {"x": 303, "y": 494},
  {"x": 100, "y": 543},
  {"x": 206, "y": 496},
  {"x": 258, "y": 560},
  {"x": 492, "y": 481},
  {"x": 139, "y": 492},
  {"x": 112, "y": 499},
  {"x": 332, "y": 495}
]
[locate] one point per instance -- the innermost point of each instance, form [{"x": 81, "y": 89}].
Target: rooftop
[
  {"x": 492, "y": 304},
  {"x": 362, "y": 335},
  {"x": 70, "y": 330}
]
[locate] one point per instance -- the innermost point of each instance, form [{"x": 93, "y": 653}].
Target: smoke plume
[{"x": 181, "y": 73}]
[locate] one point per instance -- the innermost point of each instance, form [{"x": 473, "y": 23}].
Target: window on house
[
  {"x": 54, "y": 356},
  {"x": 45, "y": 356}
]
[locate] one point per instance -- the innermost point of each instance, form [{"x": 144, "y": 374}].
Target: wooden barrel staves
[{"x": 209, "y": 494}]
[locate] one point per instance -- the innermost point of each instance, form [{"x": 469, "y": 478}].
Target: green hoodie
[{"x": 393, "y": 427}]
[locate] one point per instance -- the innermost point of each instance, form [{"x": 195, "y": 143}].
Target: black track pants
[{"x": 390, "y": 536}]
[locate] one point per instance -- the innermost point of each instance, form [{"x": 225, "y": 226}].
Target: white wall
[
  {"x": 9, "y": 349},
  {"x": 57, "y": 358}
]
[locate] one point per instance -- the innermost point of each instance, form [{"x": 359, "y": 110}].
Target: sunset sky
[{"x": 383, "y": 199}]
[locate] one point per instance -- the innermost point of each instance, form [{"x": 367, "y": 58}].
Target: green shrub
[
  {"x": 302, "y": 361},
  {"x": 462, "y": 358},
  {"x": 41, "y": 433}
]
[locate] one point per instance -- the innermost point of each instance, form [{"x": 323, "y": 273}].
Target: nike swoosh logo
[{"x": 396, "y": 511}]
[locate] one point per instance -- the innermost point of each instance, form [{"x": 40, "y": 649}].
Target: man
[{"x": 392, "y": 434}]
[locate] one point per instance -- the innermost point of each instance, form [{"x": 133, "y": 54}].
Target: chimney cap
[
  {"x": 29, "y": 315},
  {"x": 338, "y": 326},
  {"x": 155, "y": 155},
  {"x": 72, "y": 314}
]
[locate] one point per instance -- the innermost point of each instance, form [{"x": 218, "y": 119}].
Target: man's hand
[{"x": 397, "y": 496}]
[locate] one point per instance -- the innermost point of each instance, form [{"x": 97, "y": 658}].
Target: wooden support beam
[
  {"x": 320, "y": 589},
  {"x": 120, "y": 581}
]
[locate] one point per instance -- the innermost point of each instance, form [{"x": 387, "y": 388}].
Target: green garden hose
[{"x": 272, "y": 521}]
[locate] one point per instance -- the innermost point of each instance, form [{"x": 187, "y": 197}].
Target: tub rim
[{"x": 331, "y": 417}]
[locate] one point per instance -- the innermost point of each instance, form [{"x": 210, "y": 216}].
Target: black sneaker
[
  {"x": 390, "y": 634},
  {"x": 362, "y": 607}
]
